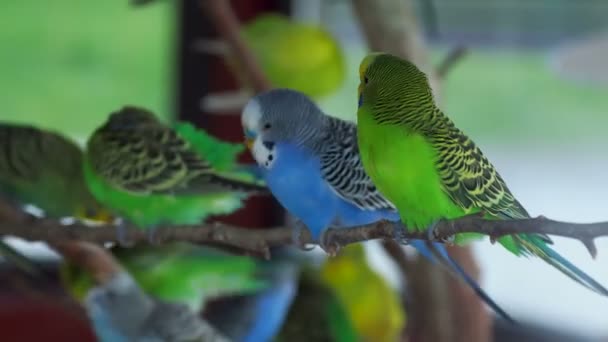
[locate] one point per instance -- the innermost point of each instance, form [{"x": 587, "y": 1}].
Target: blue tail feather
[
  {"x": 435, "y": 250},
  {"x": 561, "y": 263}
]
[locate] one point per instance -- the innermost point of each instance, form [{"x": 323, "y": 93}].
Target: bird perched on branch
[
  {"x": 152, "y": 174},
  {"x": 429, "y": 168},
  {"x": 205, "y": 278},
  {"x": 311, "y": 164},
  {"x": 43, "y": 168}
]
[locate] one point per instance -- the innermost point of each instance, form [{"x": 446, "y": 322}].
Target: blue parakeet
[
  {"x": 312, "y": 166},
  {"x": 258, "y": 316},
  {"x": 120, "y": 311}
]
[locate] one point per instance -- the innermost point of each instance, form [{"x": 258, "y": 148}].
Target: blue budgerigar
[{"x": 311, "y": 164}]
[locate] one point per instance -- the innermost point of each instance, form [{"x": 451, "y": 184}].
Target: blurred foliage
[
  {"x": 66, "y": 65},
  {"x": 296, "y": 55}
]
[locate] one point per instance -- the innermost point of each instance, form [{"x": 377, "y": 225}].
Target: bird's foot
[
  {"x": 329, "y": 242},
  {"x": 434, "y": 235},
  {"x": 298, "y": 237},
  {"x": 122, "y": 236},
  {"x": 152, "y": 235},
  {"x": 400, "y": 233}
]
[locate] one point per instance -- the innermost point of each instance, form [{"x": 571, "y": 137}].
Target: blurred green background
[{"x": 66, "y": 65}]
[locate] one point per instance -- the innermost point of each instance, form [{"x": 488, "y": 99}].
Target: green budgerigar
[
  {"x": 181, "y": 273},
  {"x": 44, "y": 169},
  {"x": 429, "y": 168},
  {"x": 154, "y": 174}
]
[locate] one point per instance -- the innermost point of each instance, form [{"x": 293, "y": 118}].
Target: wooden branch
[
  {"x": 391, "y": 26},
  {"x": 259, "y": 241},
  {"x": 227, "y": 26}
]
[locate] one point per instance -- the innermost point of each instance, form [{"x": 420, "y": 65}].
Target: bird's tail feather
[
  {"x": 438, "y": 251},
  {"x": 209, "y": 183},
  {"x": 535, "y": 245}
]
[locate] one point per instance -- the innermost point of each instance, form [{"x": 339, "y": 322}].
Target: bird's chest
[
  {"x": 295, "y": 180},
  {"x": 403, "y": 167}
]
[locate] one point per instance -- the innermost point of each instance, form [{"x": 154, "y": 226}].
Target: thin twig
[
  {"x": 450, "y": 60},
  {"x": 227, "y": 25},
  {"x": 259, "y": 241}
]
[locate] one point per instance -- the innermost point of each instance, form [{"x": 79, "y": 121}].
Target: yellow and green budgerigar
[
  {"x": 43, "y": 168},
  {"x": 151, "y": 173},
  {"x": 429, "y": 168},
  {"x": 372, "y": 305},
  {"x": 289, "y": 52}
]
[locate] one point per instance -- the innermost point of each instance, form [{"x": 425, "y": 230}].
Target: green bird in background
[
  {"x": 289, "y": 52},
  {"x": 245, "y": 298},
  {"x": 181, "y": 273},
  {"x": 151, "y": 173},
  {"x": 44, "y": 169},
  {"x": 317, "y": 313},
  {"x": 374, "y": 308},
  {"x": 429, "y": 168}
]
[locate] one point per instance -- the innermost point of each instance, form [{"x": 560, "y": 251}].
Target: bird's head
[
  {"x": 277, "y": 116},
  {"x": 129, "y": 118},
  {"x": 390, "y": 83}
]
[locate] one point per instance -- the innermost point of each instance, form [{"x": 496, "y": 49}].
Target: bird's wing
[
  {"x": 342, "y": 168},
  {"x": 149, "y": 159},
  {"x": 470, "y": 179}
]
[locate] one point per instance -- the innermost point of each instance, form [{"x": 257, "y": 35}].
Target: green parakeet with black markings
[
  {"x": 429, "y": 168},
  {"x": 44, "y": 169},
  {"x": 152, "y": 174}
]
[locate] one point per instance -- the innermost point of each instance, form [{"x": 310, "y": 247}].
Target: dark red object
[
  {"x": 200, "y": 74},
  {"x": 25, "y": 319}
]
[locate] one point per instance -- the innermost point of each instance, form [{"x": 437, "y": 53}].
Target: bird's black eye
[
  {"x": 89, "y": 212},
  {"x": 365, "y": 80},
  {"x": 267, "y": 126}
]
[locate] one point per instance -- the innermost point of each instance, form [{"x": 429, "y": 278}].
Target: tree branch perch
[{"x": 260, "y": 241}]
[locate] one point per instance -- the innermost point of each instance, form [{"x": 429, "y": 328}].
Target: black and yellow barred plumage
[
  {"x": 438, "y": 160},
  {"x": 135, "y": 152}
]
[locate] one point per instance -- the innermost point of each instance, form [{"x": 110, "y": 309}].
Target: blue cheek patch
[
  {"x": 249, "y": 134},
  {"x": 360, "y": 100}
]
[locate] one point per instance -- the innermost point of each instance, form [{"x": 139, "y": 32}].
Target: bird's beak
[
  {"x": 249, "y": 142},
  {"x": 103, "y": 217}
]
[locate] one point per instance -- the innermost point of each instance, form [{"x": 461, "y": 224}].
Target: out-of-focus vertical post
[
  {"x": 199, "y": 74},
  {"x": 444, "y": 309}
]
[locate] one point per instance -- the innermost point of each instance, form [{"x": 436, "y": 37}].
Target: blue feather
[
  {"x": 296, "y": 181},
  {"x": 272, "y": 305}
]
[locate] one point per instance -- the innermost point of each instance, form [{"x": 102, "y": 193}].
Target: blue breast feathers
[{"x": 295, "y": 179}]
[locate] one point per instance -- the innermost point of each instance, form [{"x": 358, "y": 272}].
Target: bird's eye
[
  {"x": 267, "y": 126},
  {"x": 89, "y": 212},
  {"x": 365, "y": 80}
]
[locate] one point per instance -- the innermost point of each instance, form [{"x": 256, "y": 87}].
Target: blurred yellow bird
[{"x": 374, "y": 307}]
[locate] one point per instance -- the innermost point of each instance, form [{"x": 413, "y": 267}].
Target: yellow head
[{"x": 389, "y": 81}]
